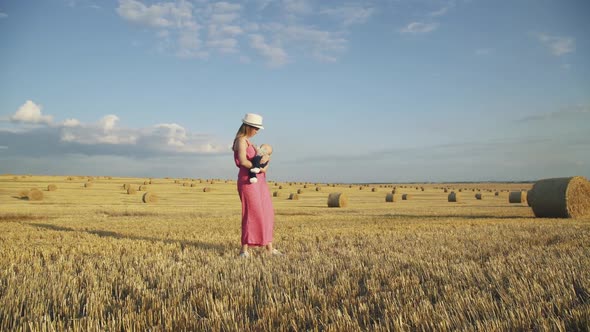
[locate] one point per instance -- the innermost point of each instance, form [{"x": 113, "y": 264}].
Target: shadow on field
[
  {"x": 115, "y": 235},
  {"x": 450, "y": 216}
]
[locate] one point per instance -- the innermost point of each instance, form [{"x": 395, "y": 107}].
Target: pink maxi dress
[{"x": 258, "y": 216}]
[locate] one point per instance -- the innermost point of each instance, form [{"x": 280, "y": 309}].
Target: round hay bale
[
  {"x": 529, "y": 197},
  {"x": 276, "y": 194},
  {"x": 454, "y": 197},
  {"x": 406, "y": 197},
  {"x": 51, "y": 187},
  {"x": 305, "y": 186},
  {"x": 561, "y": 197},
  {"x": 35, "y": 195},
  {"x": 479, "y": 196},
  {"x": 149, "y": 198},
  {"x": 143, "y": 188},
  {"x": 374, "y": 189},
  {"x": 206, "y": 189},
  {"x": 446, "y": 190},
  {"x": 294, "y": 197},
  {"x": 300, "y": 191},
  {"x": 391, "y": 197},
  {"x": 131, "y": 191},
  {"x": 517, "y": 197},
  {"x": 126, "y": 186},
  {"x": 497, "y": 193},
  {"x": 337, "y": 200},
  {"x": 318, "y": 188},
  {"x": 87, "y": 184},
  {"x": 280, "y": 187},
  {"x": 146, "y": 182},
  {"x": 194, "y": 184},
  {"x": 186, "y": 184}
]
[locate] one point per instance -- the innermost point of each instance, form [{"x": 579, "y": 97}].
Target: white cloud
[
  {"x": 108, "y": 122},
  {"x": 30, "y": 112},
  {"x": 349, "y": 14},
  {"x": 3, "y": 15},
  {"x": 276, "y": 56},
  {"x": 558, "y": 45},
  {"x": 175, "y": 133},
  {"x": 297, "y": 6},
  {"x": 71, "y": 123},
  {"x": 419, "y": 27}
]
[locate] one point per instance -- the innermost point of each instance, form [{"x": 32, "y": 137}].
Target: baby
[{"x": 263, "y": 150}]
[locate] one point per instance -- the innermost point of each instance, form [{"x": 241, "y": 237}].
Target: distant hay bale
[
  {"x": 561, "y": 197},
  {"x": 186, "y": 184},
  {"x": 35, "y": 195},
  {"x": 149, "y": 197},
  {"x": 479, "y": 196},
  {"x": 406, "y": 197},
  {"x": 391, "y": 197},
  {"x": 374, "y": 189},
  {"x": 318, "y": 188},
  {"x": 446, "y": 190},
  {"x": 454, "y": 197},
  {"x": 146, "y": 182},
  {"x": 131, "y": 191},
  {"x": 300, "y": 191},
  {"x": 276, "y": 194},
  {"x": 361, "y": 188},
  {"x": 126, "y": 186},
  {"x": 23, "y": 194},
  {"x": 194, "y": 184},
  {"x": 517, "y": 197},
  {"x": 51, "y": 187},
  {"x": 305, "y": 186},
  {"x": 337, "y": 200},
  {"x": 280, "y": 187},
  {"x": 206, "y": 189},
  {"x": 87, "y": 184},
  {"x": 143, "y": 188},
  {"x": 497, "y": 193},
  {"x": 294, "y": 197}
]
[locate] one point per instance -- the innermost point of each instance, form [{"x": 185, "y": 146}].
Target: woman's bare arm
[{"x": 242, "y": 145}]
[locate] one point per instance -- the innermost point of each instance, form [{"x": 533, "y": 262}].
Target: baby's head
[{"x": 266, "y": 148}]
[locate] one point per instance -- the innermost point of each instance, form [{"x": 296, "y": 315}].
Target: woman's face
[{"x": 252, "y": 131}]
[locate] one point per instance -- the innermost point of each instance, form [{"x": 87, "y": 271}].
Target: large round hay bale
[
  {"x": 561, "y": 197},
  {"x": 146, "y": 182},
  {"x": 206, "y": 189},
  {"x": 194, "y": 184},
  {"x": 131, "y": 191},
  {"x": 51, "y": 187},
  {"x": 186, "y": 184},
  {"x": 479, "y": 196},
  {"x": 454, "y": 197},
  {"x": 406, "y": 197},
  {"x": 126, "y": 186},
  {"x": 373, "y": 189},
  {"x": 517, "y": 197},
  {"x": 318, "y": 188},
  {"x": 276, "y": 194},
  {"x": 293, "y": 197},
  {"x": 280, "y": 187},
  {"x": 87, "y": 184},
  {"x": 529, "y": 197},
  {"x": 391, "y": 197},
  {"x": 149, "y": 197},
  {"x": 35, "y": 195},
  {"x": 300, "y": 191},
  {"x": 497, "y": 193},
  {"x": 337, "y": 200}
]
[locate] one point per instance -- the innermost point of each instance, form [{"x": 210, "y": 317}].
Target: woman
[{"x": 257, "y": 211}]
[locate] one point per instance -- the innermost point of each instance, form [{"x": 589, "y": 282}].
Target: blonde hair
[{"x": 244, "y": 131}]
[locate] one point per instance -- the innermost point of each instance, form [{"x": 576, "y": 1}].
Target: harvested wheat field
[{"x": 99, "y": 259}]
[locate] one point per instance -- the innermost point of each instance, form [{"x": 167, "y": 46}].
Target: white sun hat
[{"x": 253, "y": 120}]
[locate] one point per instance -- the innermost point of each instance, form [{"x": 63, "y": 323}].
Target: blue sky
[{"x": 350, "y": 91}]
